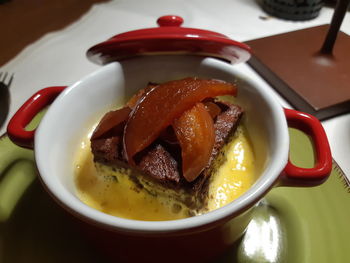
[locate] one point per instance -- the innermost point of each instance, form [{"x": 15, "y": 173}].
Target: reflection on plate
[{"x": 290, "y": 225}]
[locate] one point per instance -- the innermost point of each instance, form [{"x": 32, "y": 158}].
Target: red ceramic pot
[{"x": 78, "y": 107}]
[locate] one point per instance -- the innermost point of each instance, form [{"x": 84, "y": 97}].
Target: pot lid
[{"x": 169, "y": 38}]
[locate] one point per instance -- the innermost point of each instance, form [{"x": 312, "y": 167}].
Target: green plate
[{"x": 296, "y": 225}]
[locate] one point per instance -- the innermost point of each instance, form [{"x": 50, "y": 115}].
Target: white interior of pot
[{"x": 83, "y": 104}]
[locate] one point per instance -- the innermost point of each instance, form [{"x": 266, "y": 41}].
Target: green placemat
[{"x": 296, "y": 225}]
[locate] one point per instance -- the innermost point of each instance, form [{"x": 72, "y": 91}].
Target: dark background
[{"x": 25, "y": 21}]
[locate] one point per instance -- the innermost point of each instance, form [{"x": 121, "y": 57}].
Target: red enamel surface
[
  {"x": 16, "y": 127},
  {"x": 169, "y": 38},
  {"x": 310, "y": 125},
  {"x": 170, "y": 21}
]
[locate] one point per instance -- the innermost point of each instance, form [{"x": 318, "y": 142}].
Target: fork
[{"x": 4, "y": 96}]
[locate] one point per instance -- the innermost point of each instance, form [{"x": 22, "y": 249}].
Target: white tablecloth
[{"x": 59, "y": 58}]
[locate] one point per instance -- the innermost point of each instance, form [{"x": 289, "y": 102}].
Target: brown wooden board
[{"x": 312, "y": 82}]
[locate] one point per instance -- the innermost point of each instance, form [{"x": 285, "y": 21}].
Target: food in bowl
[{"x": 174, "y": 150}]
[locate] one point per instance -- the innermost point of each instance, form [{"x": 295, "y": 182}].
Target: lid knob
[{"x": 170, "y": 20}]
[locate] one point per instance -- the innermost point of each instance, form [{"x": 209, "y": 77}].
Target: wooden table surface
[{"x": 25, "y": 21}]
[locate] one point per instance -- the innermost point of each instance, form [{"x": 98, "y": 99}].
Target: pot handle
[
  {"x": 297, "y": 176},
  {"x": 16, "y": 128}
]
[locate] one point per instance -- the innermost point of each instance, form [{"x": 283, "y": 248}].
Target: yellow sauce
[
  {"x": 119, "y": 198},
  {"x": 236, "y": 175}
]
